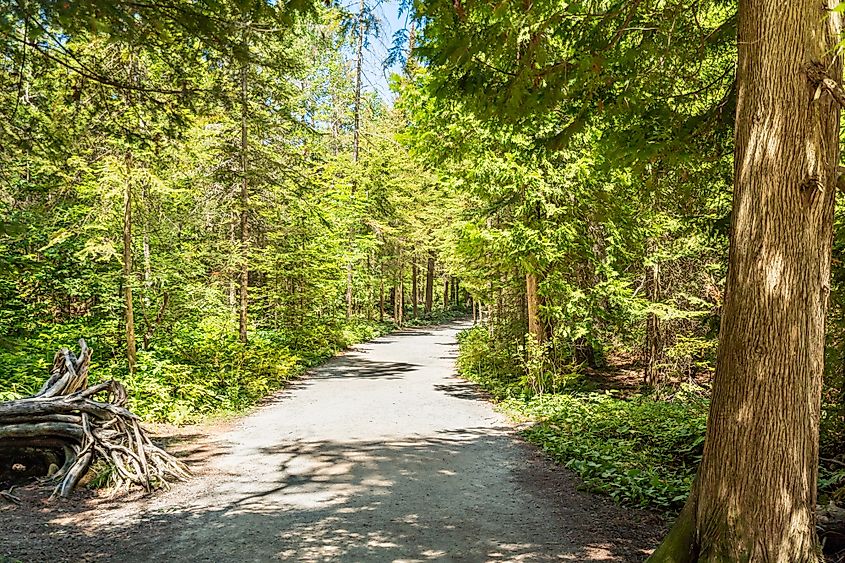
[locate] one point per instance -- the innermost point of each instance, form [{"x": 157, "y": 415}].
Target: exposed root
[{"x": 65, "y": 415}]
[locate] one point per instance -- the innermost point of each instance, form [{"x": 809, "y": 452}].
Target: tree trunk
[
  {"x": 414, "y": 288},
  {"x": 244, "y": 210},
  {"x": 532, "y": 297},
  {"x": 652, "y": 372},
  {"x": 131, "y": 351},
  {"x": 446, "y": 283},
  {"x": 755, "y": 492},
  {"x": 381, "y": 295},
  {"x": 359, "y": 62},
  {"x": 233, "y": 285},
  {"x": 429, "y": 284},
  {"x": 400, "y": 294}
]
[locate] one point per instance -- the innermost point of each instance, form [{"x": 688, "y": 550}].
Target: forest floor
[{"x": 381, "y": 454}]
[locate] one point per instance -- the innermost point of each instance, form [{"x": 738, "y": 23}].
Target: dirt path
[{"x": 380, "y": 455}]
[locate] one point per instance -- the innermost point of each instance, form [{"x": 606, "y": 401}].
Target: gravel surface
[{"x": 382, "y": 454}]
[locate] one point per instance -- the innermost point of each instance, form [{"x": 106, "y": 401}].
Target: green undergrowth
[
  {"x": 638, "y": 450},
  {"x": 438, "y": 317},
  {"x": 196, "y": 372}
]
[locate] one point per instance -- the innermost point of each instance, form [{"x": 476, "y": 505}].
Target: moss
[{"x": 679, "y": 544}]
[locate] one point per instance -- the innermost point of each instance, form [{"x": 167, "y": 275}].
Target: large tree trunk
[
  {"x": 429, "y": 284},
  {"x": 755, "y": 492}
]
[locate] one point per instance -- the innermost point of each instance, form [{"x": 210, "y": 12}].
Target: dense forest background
[
  {"x": 191, "y": 200},
  {"x": 209, "y": 197}
]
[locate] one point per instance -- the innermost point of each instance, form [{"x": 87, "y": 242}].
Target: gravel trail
[{"x": 381, "y": 454}]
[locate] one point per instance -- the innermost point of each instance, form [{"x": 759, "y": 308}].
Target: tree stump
[{"x": 64, "y": 428}]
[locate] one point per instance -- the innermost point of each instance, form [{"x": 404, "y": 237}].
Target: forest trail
[{"x": 381, "y": 454}]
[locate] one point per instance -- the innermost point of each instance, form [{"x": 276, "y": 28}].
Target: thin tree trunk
[
  {"x": 359, "y": 64},
  {"x": 233, "y": 284},
  {"x": 381, "y": 295},
  {"x": 370, "y": 297},
  {"x": 532, "y": 297},
  {"x": 244, "y": 211},
  {"x": 148, "y": 271},
  {"x": 446, "y": 283},
  {"x": 755, "y": 493},
  {"x": 400, "y": 293},
  {"x": 356, "y": 135},
  {"x": 429, "y": 284},
  {"x": 414, "y": 288},
  {"x": 131, "y": 351},
  {"x": 652, "y": 373}
]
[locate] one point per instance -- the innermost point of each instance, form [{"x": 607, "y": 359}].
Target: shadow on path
[{"x": 432, "y": 498}]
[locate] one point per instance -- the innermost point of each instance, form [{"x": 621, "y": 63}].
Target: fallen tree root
[{"x": 65, "y": 416}]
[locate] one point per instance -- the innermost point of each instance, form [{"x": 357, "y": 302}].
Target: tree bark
[
  {"x": 381, "y": 295},
  {"x": 244, "y": 211},
  {"x": 429, "y": 284},
  {"x": 446, "y": 283},
  {"x": 414, "y": 287},
  {"x": 652, "y": 372},
  {"x": 64, "y": 416},
  {"x": 131, "y": 351},
  {"x": 400, "y": 293},
  {"x": 359, "y": 63},
  {"x": 755, "y": 492},
  {"x": 532, "y": 297}
]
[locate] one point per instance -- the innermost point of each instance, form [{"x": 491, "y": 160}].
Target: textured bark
[
  {"x": 755, "y": 493},
  {"x": 359, "y": 67},
  {"x": 381, "y": 295},
  {"x": 64, "y": 417},
  {"x": 131, "y": 352},
  {"x": 414, "y": 288},
  {"x": 429, "y": 284},
  {"x": 456, "y": 291},
  {"x": 532, "y": 298},
  {"x": 244, "y": 211},
  {"x": 359, "y": 63},
  {"x": 652, "y": 373}
]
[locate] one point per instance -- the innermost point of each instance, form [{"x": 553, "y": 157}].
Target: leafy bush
[
  {"x": 200, "y": 370},
  {"x": 637, "y": 450},
  {"x": 437, "y": 317}
]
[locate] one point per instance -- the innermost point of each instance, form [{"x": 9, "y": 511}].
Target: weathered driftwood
[{"x": 65, "y": 416}]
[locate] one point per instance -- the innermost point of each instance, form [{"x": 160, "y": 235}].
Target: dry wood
[{"x": 64, "y": 415}]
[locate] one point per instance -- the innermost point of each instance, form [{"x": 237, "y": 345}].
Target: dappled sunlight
[{"x": 411, "y": 500}]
